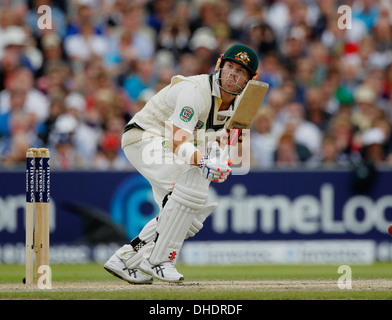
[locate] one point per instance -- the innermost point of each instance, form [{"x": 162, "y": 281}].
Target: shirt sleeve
[{"x": 188, "y": 105}]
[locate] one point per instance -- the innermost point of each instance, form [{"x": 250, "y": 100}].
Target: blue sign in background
[
  {"x": 330, "y": 203},
  {"x": 271, "y": 205}
]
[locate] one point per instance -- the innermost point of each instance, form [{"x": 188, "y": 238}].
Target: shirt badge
[{"x": 186, "y": 114}]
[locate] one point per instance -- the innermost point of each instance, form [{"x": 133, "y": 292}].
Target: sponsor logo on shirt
[{"x": 186, "y": 114}]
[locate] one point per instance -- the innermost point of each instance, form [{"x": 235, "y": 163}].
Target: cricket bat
[{"x": 245, "y": 108}]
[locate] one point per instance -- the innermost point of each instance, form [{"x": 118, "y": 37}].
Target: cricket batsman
[{"x": 159, "y": 142}]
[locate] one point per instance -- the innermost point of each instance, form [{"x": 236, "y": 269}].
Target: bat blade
[
  {"x": 245, "y": 110},
  {"x": 247, "y": 105}
]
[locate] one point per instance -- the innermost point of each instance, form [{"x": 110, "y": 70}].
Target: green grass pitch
[{"x": 258, "y": 282}]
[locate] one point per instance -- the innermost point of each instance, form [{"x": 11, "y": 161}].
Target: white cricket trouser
[
  {"x": 162, "y": 169},
  {"x": 157, "y": 164}
]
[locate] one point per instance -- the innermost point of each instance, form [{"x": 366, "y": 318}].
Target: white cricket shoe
[
  {"x": 165, "y": 271},
  {"x": 118, "y": 268}
]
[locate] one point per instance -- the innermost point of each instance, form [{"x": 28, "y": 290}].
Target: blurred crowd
[{"x": 74, "y": 86}]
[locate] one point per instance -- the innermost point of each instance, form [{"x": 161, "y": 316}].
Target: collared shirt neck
[
  {"x": 215, "y": 86},
  {"x": 216, "y": 94}
]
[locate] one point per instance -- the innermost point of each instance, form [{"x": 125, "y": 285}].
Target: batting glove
[{"x": 213, "y": 171}]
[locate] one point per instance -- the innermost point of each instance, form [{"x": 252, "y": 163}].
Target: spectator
[
  {"x": 350, "y": 76},
  {"x": 315, "y": 109},
  {"x": 56, "y": 80},
  {"x": 263, "y": 142},
  {"x": 277, "y": 102},
  {"x": 109, "y": 155},
  {"x": 142, "y": 79},
  {"x": 122, "y": 58},
  {"x": 271, "y": 71},
  {"x": 56, "y": 109},
  {"x": 385, "y": 126},
  {"x": 348, "y": 143},
  {"x": 203, "y": 45},
  {"x": 53, "y": 51},
  {"x": 20, "y": 137},
  {"x": 328, "y": 92},
  {"x": 62, "y": 144},
  {"x": 290, "y": 154},
  {"x": 333, "y": 38},
  {"x": 21, "y": 83},
  {"x": 83, "y": 46},
  {"x": 205, "y": 18},
  {"x": 318, "y": 54},
  {"x": 14, "y": 41},
  {"x": 365, "y": 111},
  {"x": 64, "y": 155},
  {"x": 383, "y": 42},
  {"x": 161, "y": 11},
  {"x": 262, "y": 37},
  {"x": 303, "y": 77},
  {"x": 293, "y": 48},
  {"x": 143, "y": 36},
  {"x": 175, "y": 33},
  {"x": 221, "y": 27},
  {"x": 189, "y": 65},
  {"x": 326, "y": 9},
  {"x": 278, "y": 17},
  {"x": 328, "y": 155},
  {"x": 85, "y": 137},
  {"x": 83, "y": 11},
  {"x": 373, "y": 141},
  {"x": 305, "y": 133},
  {"x": 367, "y": 11}
]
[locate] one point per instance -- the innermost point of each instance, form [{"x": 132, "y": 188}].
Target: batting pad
[
  {"x": 188, "y": 197},
  {"x": 133, "y": 256},
  {"x": 200, "y": 217}
]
